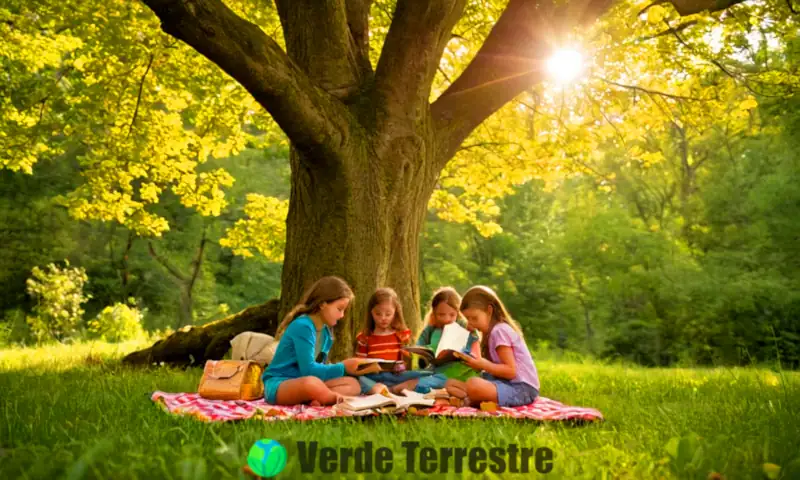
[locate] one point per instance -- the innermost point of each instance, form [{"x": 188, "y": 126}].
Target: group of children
[{"x": 497, "y": 367}]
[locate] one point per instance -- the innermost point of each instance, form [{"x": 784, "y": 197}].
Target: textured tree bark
[
  {"x": 360, "y": 222},
  {"x": 194, "y": 345}
]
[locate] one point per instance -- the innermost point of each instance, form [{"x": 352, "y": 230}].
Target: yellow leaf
[
  {"x": 749, "y": 103},
  {"x": 772, "y": 471},
  {"x": 655, "y": 14}
]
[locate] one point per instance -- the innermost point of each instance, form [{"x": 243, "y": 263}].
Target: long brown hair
[
  {"x": 447, "y": 295},
  {"x": 382, "y": 295},
  {"x": 482, "y": 297},
  {"x": 324, "y": 290}
]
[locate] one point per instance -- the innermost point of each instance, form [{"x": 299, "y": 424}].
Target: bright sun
[{"x": 565, "y": 65}]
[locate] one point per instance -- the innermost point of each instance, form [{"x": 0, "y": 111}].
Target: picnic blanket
[{"x": 192, "y": 404}]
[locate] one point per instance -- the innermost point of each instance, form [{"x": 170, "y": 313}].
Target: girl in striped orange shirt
[{"x": 384, "y": 335}]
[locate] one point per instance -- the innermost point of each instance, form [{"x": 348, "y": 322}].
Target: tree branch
[
  {"x": 509, "y": 62},
  {"x": 139, "y": 95},
  {"x": 313, "y": 120},
  {"x": 489, "y": 144},
  {"x": 165, "y": 263},
  {"x": 689, "y": 7},
  {"x": 358, "y": 21},
  {"x": 411, "y": 53},
  {"x": 319, "y": 40},
  {"x": 648, "y": 91},
  {"x": 678, "y": 28},
  {"x": 197, "y": 261}
]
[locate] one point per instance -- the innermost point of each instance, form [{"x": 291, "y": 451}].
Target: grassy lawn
[{"x": 73, "y": 412}]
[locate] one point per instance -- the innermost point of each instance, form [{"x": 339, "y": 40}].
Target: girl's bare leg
[
  {"x": 480, "y": 390},
  {"x": 407, "y": 385},
  {"x": 456, "y": 388},
  {"x": 377, "y": 388},
  {"x": 304, "y": 390},
  {"x": 458, "y": 393},
  {"x": 346, "y": 386}
]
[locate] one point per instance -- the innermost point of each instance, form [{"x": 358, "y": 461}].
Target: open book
[
  {"x": 380, "y": 400},
  {"x": 375, "y": 365},
  {"x": 454, "y": 339}
]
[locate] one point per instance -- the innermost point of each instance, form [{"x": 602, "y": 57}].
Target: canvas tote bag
[{"x": 257, "y": 347}]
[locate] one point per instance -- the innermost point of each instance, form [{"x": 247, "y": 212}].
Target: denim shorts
[
  {"x": 389, "y": 379},
  {"x": 271, "y": 385},
  {"x": 512, "y": 394},
  {"x": 425, "y": 384}
]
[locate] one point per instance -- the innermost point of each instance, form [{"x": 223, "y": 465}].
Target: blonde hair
[
  {"x": 447, "y": 295},
  {"x": 324, "y": 290},
  {"x": 482, "y": 297},
  {"x": 382, "y": 295}
]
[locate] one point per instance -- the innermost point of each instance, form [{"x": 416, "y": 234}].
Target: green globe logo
[{"x": 267, "y": 458}]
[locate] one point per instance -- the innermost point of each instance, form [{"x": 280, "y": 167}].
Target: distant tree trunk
[
  {"x": 185, "y": 283},
  {"x": 121, "y": 266},
  {"x": 185, "y": 310},
  {"x": 587, "y": 317}
]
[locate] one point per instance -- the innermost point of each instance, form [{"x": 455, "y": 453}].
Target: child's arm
[
  {"x": 404, "y": 336},
  {"x": 507, "y": 369},
  {"x": 425, "y": 336},
  {"x": 361, "y": 345},
  {"x": 303, "y": 335}
]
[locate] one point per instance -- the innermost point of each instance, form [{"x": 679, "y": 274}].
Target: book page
[
  {"x": 373, "y": 401},
  {"x": 454, "y": 337},
  {"x": 424, "y": 352},
  {"x": 410, "y": 398}
]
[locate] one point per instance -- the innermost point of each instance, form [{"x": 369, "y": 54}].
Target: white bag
[{"x": 257, "y": 347}]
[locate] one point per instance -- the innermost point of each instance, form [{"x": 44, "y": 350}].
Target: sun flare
[{"x": 565, "y": 65}]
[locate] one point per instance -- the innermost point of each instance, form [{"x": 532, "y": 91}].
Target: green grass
[{"x": 74, "y": 412}]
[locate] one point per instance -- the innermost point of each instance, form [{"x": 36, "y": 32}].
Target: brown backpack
[{"x": 231, "y": 380}]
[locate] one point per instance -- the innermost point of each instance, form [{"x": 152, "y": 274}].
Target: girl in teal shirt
[
  {"x": 298, "y": 372},
  {"x": 444, "y": 310}
]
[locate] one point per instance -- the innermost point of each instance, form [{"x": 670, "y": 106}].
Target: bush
[
  {"x": 58, "y": 293},
  {"x": 117, "y": 323}
]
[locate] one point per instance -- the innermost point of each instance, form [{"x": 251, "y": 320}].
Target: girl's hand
[
  {"x": 351, "y": 366},
  {"x": 474, "y": 363}
]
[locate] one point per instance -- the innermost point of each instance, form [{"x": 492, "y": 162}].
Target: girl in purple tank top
[{"x": 509, "y": 377}]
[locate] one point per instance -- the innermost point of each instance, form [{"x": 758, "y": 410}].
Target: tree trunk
[
  {"x": 194, "y": 345},
  {"x": 185, "y": 316},
  {"x": 360, "y": 221}
]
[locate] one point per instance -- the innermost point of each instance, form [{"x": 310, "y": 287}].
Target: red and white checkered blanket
[{"x": 192, "y": 404}]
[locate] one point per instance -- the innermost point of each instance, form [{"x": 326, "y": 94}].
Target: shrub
[
  {"x": 117, "y": 323},
  {"x": 58, "y": 293}
]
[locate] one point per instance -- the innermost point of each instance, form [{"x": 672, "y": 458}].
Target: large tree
[
  {"x": 367, "y": 143},
  {"x": 375, "y": 97}
]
